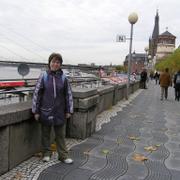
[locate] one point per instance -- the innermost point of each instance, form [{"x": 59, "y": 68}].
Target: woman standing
[{"x": 52, "y": 105}]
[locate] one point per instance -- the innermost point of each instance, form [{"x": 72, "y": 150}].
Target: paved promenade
[{"x": 141, "y": 142}]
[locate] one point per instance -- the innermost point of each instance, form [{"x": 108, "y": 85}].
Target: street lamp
[
  {"x": 133, "y": 17},
  {"x": 150, "y": 62},
  {"x": 146, "y": 60}
]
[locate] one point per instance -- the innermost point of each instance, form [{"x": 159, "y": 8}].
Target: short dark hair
[
  {"x": 166, "y": 69},
  {"x": 55, "y": 55}
]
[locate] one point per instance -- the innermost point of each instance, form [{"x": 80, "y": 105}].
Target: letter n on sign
[{"x": 120, "y": 38}]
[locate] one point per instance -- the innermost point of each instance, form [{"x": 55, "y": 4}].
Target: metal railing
[
  {"x": 20, "y": 94},
  {"x": 25, "y": 93}
]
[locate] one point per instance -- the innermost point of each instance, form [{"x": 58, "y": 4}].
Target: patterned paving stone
[
  {"x": 107, "y": 155},
  {"x": 157, "y": 170},
  {"x": 115, "y": 167},
  {"x": 78, "y": 174},
  {"x": 136, "y": 171}
]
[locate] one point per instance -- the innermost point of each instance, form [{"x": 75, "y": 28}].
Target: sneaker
[
  {"x": 46, "y": 159},
  {"x": 67, "y": 161}
]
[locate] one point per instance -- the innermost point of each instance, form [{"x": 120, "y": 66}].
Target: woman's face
[{"x": 55, "y": 64}]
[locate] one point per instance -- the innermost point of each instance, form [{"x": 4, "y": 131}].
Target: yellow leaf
[
  {"x": 134, "y": 138},
  {"x": 139, "y": 157},
  {"x": 53, "y": 147},
  {"x": 150, "y": 148},
  {"x": 158, "y": 145},
  {"x": 119, "y": 141},
  {"x": 105, "y": 151}
]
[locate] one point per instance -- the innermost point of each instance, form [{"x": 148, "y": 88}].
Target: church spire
[{"x": 156, "y": 26}]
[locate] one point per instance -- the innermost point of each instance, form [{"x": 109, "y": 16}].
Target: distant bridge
[{"x": 44, "y": 65}]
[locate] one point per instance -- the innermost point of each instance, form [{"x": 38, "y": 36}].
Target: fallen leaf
[
  {"x": 119, "y": 141},
  {"x": 150, "y": 148},
  {"x": 134, "y": 138},
  {"x": 53, "y": 147},
  {"x": 105, "y": 151},
  {"x": 158, "y": 145},
  {"x": 18, "y": 176},
  {"x": 139, "y": 157}
]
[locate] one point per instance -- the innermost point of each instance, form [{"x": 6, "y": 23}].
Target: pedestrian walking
[
  {"x": 143, "y": 79},
  {"x": 151, "y": 76},
  {"x": 165, "y": 82},
  {"x": 177, "y": 85},
  {"x": 52, "y": 105},
  {"x": 156, "y": 77}
]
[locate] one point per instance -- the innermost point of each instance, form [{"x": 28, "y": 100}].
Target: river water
[{"x": 7, "y": 72}]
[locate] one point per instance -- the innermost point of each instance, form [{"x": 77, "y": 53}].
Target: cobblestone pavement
[
  {"x": 123, "y": 133},
  {"x": 30, "y": 169}
]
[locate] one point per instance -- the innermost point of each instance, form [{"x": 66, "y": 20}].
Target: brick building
[{"x": 138, "y": 62}]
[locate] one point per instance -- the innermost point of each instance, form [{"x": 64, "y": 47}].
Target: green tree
[{"x": 172, "y": 62}]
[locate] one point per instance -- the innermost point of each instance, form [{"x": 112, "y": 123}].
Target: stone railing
[{"x": 20, "y": 135}]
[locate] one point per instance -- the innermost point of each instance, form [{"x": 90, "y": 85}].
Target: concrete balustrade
[
  {"x": 82, "y": 123},
  {"x": 106, "y": 94},
  {"x": 20, "y": 134}
]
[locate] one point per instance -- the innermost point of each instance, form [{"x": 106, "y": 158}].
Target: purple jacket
[{"x": 53, "y": 92}]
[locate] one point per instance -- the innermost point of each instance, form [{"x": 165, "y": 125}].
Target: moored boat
[{"x": 11, "y": 84}]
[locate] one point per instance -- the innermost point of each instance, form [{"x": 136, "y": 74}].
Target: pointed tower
[{"x": 155, "y": 34}]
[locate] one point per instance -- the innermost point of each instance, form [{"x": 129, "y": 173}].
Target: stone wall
[{"x": 20, "y": 134}]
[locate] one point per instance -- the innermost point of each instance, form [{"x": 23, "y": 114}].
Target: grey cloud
[{"x": 80, "y": 28}]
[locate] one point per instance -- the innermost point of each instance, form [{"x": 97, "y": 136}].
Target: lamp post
[
  {"x": 150, "y": 62},
  {"x": 133, "y": 17},
  {"x": 146, "y": 57}
]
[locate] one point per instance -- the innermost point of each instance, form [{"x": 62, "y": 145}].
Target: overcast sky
[{"x": 83, "y": 31}]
